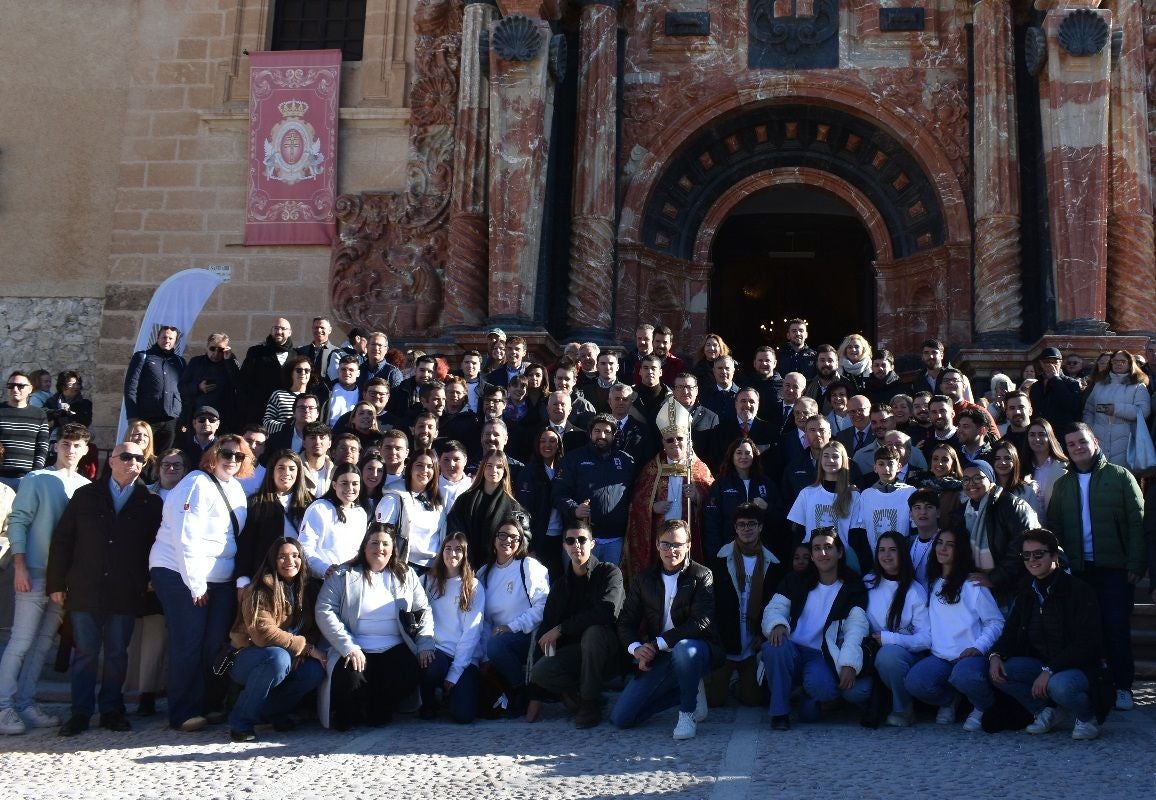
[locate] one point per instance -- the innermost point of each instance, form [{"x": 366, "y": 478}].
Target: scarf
[
  {"x": 279, "y": 348},
  {"x": 973, "y": 517},
  {"x": 755, "y": 587},
  {"x": 860, "y": 369}
]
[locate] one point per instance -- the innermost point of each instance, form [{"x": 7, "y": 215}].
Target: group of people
[{"x": 393, "y": 536}]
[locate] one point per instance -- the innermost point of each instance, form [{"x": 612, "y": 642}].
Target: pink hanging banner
[{"x": 293, "y": 101}]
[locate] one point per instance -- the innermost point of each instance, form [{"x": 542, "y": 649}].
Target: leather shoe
[
  {"x": 589, "y": 714},
  {"x": 115, "y": 721},
  {"x": 781, "y": 723},
  {"x": 75, "y": 724},
  {"x": 147, "y": 705},
  {"x": 242, "y": 736}
]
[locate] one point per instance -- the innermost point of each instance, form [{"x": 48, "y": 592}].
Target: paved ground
[{"x": 735, "y": 755}]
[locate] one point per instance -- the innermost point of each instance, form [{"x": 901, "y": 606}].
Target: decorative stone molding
[
  {"x": 516, "y": 38},
  {"x": 1084, "y": 33},
  {"x": 1035, "y": 50},
  {"x": 558, "y": 55}
]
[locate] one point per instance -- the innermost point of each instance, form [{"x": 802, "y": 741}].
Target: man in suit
[
  {"x": 558, "y": 420},
  {"x": 320, "y": 348},
  {"x": 802, "y": 469},
  {"x": 720, "y": 396},
  {"x": 261, "y": 370},
  {"x": 859, "y": 435},
  {"x": 633, "y": 435},
  {"x": 703, "y": 421},
  {"x": 780, "y": 411},
  {"x": 793, "y": 440},
  {"x": 743, "y": 420},
  {"x": 306, "y": 409}
]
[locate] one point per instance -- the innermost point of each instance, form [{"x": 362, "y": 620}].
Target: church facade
[{"x": 974, "y": 172}]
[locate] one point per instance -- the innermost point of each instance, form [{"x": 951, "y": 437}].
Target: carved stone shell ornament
[
  {"x": 1084, "y": 33},
  {"x": 558, "y": 53},
  {"x": 516, "y": 38},
  {"x": 1035, "y": 50}
]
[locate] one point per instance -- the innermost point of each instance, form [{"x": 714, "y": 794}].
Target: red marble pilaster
[
  {"x": 595, "y": 165},
  {"x": 1131, "y": 256},
  {"x": 521, "y": 108},
  {"x": 998, "y": 301},
  {"x": 468, "y": 257},
  {"x": 1074, "y": 111}
]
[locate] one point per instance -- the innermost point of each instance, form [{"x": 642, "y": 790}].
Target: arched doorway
[{"x": 791, "y": 251}]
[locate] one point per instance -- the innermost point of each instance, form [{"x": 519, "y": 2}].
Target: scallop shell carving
[
  {"x": 1084, "y": 33},
  {"x": 1035, "y": 50},
  {"x": 516, "y": 38},
  {"x": 558, "y": 53}
]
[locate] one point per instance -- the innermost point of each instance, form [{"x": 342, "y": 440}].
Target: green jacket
[{"x": 1117, "y": 517}]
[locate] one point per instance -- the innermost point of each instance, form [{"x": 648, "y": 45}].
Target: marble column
[
  {"x": 521, "y": 110},
  {"x": 595, "y": 166},
  {"x": 999, "y": 295},
  {"x": 1074, "y": 111},
  {"x": 1131, "y": 256},
  {"x": 467, "y": 265}
]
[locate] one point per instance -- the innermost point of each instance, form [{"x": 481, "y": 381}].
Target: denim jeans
[
  {"x": 610, "y": 551},
  {"x": 508, "y": 654},
  {"x": 271, "y": 687},
  {"x": 893, "y": 662},
  {"x": 672, "y": 680},
  {"x": 789, "y": 665},
  {"x": 91, "y": 633},
  {"x": 463, "y": 698},
  {"x": 35, "y": 620},
  {"x": 1067, "y": 689},
  {"x": 195, "y": 635},
  {"x": 939, "y": 682},
  {"x": 1116, "y": 597}
]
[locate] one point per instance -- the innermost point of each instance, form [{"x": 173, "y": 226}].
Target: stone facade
[{"x": 563, "y": 168}]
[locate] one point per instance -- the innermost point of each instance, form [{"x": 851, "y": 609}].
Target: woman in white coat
[{"x": 1117, "y": 403}]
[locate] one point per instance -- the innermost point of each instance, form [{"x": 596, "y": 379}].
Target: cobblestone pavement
[{"x": 735, "y": 755}]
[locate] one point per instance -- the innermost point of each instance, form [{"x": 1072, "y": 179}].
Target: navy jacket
[
  {"x": 152, "y": 385},
  {"x": 604, "y": 480}
]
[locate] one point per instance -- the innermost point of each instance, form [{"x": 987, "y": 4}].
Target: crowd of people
[{"x": 391, "y": 532}]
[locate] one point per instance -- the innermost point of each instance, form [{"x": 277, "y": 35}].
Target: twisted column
[
  {"x": 999, "y": 287},
  {"x": 592, "y": 227}
]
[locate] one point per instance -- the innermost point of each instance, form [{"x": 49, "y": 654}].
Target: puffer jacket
[
  {"x": 1117, "y": 511},
  {"x": 846, "y": 626},
  {"x": 152, "y": 385},
  {"x": 1115, "y": 431}
]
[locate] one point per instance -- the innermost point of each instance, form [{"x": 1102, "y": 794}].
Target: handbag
[{"x": 1141, "y": 452}]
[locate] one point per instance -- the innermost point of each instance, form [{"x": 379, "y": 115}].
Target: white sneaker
[
  {"x": 701, "y": 709},
  {"x": 686, "y": 727},
  {"x": 1123, "y": 699},
  {"x": 945, "y": 715},
  {"x": 11, "y": 723},
  {"x": 1085, "y": 730},
  {"x": 37, "y": 717},
  {"x": 974, "y": 721},
  {"x": 1044, "y": 721}
]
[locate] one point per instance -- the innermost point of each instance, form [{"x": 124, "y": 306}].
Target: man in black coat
[
  {"x": 98, "y": 565},
  {"x": 743, "y": 420},
  {"x": 703, "y": 421},
  {"x": 261, "y": 372},
  {"x": 211, "y": 380},
  {"x": 579, "y": 643},
  {"x": 1056, "y": 397}
]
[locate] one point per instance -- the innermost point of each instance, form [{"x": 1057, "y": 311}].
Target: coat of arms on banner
[{"x": 293, "y": 151}]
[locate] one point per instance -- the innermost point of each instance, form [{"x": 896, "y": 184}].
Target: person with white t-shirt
[
  {"x": 417, "y": 512},
  {"x": 831, "y": 501},
  {"x": 814, "y": 628},
  {"x": 345, "y": 392},
  {"x": 924, "y": 508},
  {"x": 452, "y": 477},
  {"x": 333, "y": 525},
  {"x": 883, "y": 507}
]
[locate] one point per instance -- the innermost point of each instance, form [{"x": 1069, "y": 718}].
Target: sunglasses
[
  {"x": 127, "y": 457},
  {"x": 171, "y": 467},
  {"x": 218, "y": 349},
  {"x": 20, "y": 386},
  {"x": 1034, "y": 555},
  {"x": 579, "y": 541},
  {"x": 302, "y": 370},
  {"x": 673, "y": 545},
  {"x": 231, "y": 455}
]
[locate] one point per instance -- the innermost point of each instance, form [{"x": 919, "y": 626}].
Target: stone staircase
[{"x": 1144, "y": 632}]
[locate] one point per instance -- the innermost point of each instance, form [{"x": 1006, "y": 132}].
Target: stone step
[{"x": 1146, "y": 669}]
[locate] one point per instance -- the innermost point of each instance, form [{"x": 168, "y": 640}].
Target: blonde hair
[{"x": 844, "y": 489}]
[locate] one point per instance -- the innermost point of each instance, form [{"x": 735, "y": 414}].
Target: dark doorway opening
[{"x": 791, "y": 252}]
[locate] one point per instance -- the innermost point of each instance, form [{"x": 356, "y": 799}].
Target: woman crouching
[{"x": 279, "y": 662}]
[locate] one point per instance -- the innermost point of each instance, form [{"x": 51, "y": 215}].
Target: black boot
[{"x": 147, "y": 706}]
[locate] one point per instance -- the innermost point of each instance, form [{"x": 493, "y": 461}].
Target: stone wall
[{"x": 52, "y": 333}]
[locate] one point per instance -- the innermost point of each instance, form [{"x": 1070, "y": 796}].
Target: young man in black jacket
[
  {"x": 746, "y": 576},
  {"x": 1050, "y": 645},
  {"x": 667, "y": 625},
  {"x": 579, "y": 643}
]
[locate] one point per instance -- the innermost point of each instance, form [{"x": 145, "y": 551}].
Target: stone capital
[
  {"x": 608, "y": 3},
  {"x": 493, "y": 3}
]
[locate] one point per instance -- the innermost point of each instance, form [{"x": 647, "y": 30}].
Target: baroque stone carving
[
  {"x": 516, "y": 38},
  {"x": 558, "y": 55},
  {"x": 794, "y": 41},
  {"x": 388, "y": 261},
  {"x": 1083, "y": 33},
  {"x": 945, "y": 112},
  {"x": 1035, "y": 50}
]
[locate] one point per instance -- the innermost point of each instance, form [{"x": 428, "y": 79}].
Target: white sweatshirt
[
  {"x": 196, "y": 537},
  {"x": 914, "y": 632},
  {"x": 974, "y": 621},
  {"x": 506, "y": 600},
  {"x": 327, "y": 540},
  {"x": 456, "y": 632}
]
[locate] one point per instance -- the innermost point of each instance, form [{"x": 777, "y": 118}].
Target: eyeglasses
[
  {"x": 576, "y": 541},
  {"x": 20, "y": 386},
  {"x": 127, "y": 457},
  {"x": 975, "y": 480},
  {"x": 668, "y": 546},
  {"x": 231, "y": 455},
  {"x": 171, "y": 467},
  {"x": 684, "y": 387},
  {"x": 507, "y": 537},
  {"x": 1035, "y": 555},
  {"x": 674, "y": 439}
]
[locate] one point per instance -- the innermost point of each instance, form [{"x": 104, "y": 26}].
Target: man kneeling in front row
[{"x": 579, "y": 643}]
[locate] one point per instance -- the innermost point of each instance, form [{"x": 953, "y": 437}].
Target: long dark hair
[
  {"x": 431, "y": 489},
  {"x": 268, "y": 569},
  {"x": 299, "y": 495},
  {"x": 439, "y": 573},
  {"x": 727, "y": 466},
  {"x": 395, "y": 565},
  {"x": 1016, "y": 479},
  {"x": 811, "y": 574},
  {"x": 905, "y": 578},
  {"x": 331, "y": 492},
  {"x": 962, "y": 565}
]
